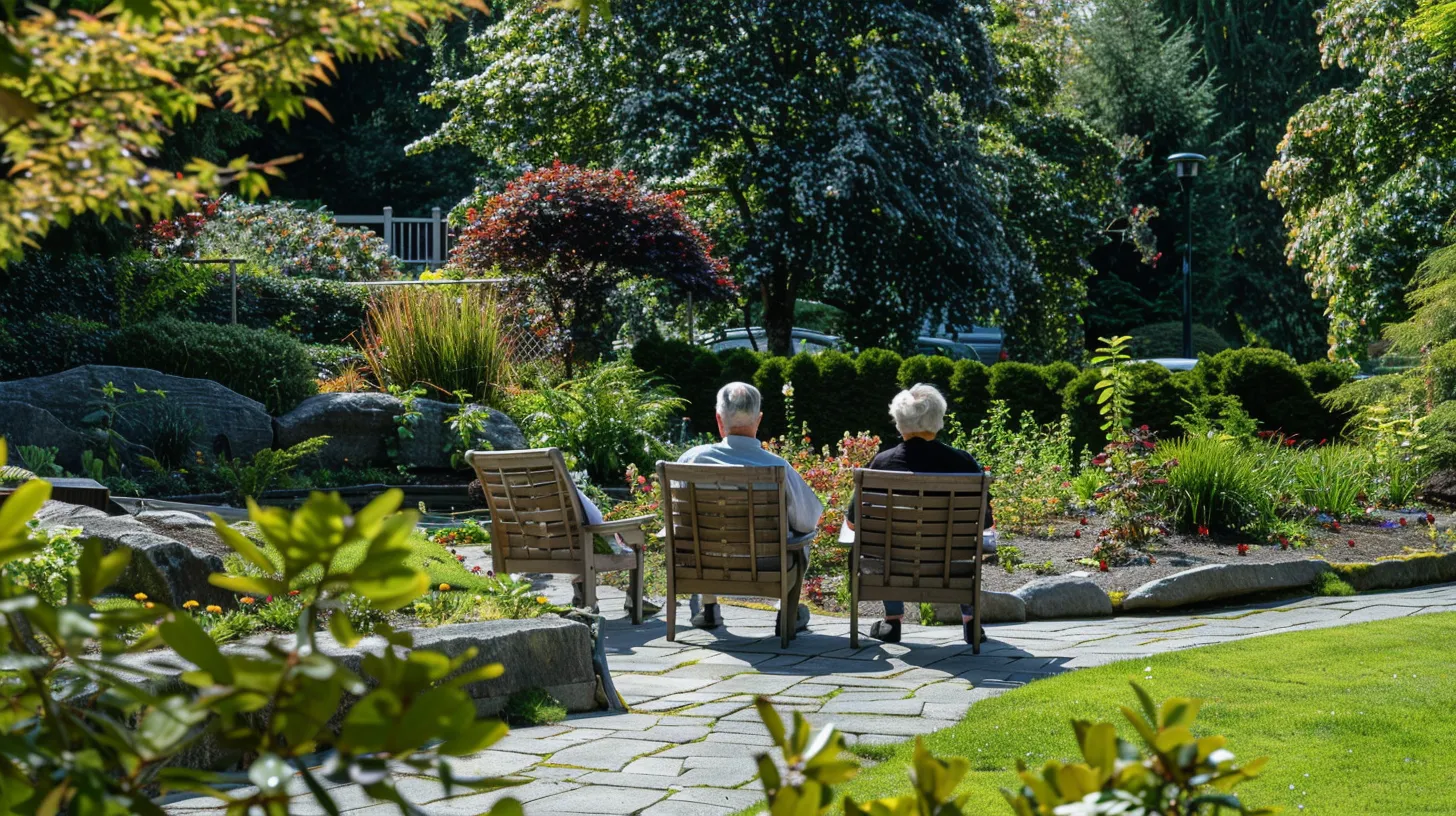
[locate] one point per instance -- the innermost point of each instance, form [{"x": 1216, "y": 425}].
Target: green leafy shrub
[
  {"x": 56, "y": 753},
  {"x": 803, "y": 373},
  {"x": 250, "y": 479},
  {"x": 313, "y": 310},
  {"x": 1439, "y": 429},
  {"x": 838, "y": 406},
  {"x": 442, "y": 341},
  {"x": 37, "y": 282},
  {"x": 263, "y": 364},
  {"x": 1166, "y": 340},
  {"x": 1158, "y": 399},
  {"x": 1030, "y": 463},
  {"x": 1334, "y": 479},
  {"x": 51, "y": 567},
  {"x": 1025, "y": 387},
  {"x": 878, "y": 373},
  {"x": 769, "y": 379},
  {"x": 279, "y": 238},
  {"x": 1325, "y": 376},
  {"x": 47, "y": 343},
  {"x": 610, "y": 417},
  {"x": 1443, "y": 372},
  {"x": 925, "y": 368},
  {"x": 970, "y": 391},
  {"x": 40, "y": 461},
  {"x": 1271, "y": 388}
]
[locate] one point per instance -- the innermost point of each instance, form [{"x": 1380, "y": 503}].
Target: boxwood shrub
[
  {"x": 48, "y": 343},
  {"x": 1159, "y": 397},
  {"x": 264, "y": 364},
  {"x": 1272, "y": 390},
  {"x": 1027, "y": 387},
  {"x": 1166, "y": 340}
]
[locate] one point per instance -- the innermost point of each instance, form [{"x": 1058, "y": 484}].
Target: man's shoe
[
  {"x": 966, "y": 629},
  {"x": 801, "y": 625},
  {"x": 886, "y": 630},
  {"x": 708, "y": 618}
]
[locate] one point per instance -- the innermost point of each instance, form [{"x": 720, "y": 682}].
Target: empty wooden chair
[
  {"x": 727, "y": 533},
  {"x": 917, "y": 538},
  {"x": 536, "y": 522}
]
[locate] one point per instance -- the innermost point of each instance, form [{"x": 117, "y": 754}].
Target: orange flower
[
  {"x": 444, "y": 587},
  {"x": 214, "y": 609},
  {"x": 190, "y": 605},
  {"x": 248, "y": 599},
  {"x": 150, "y": 605},
  {"x": 140, "y": 596}
]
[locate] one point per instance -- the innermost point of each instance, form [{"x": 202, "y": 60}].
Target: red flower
[
  {"x": 460, "y": 558},
  {"x": 1084, "y": 520},
  {"x": 1102, "y": 566},
  {"x": 1289, "y": 443},
  {"x": 1076, "y": 534},
  {"x": 1202, "y": 530},
  {"x": 1402, "y": 521},
  {"x": 1243, "y": 549},
  {"x": 1334, "y": 525},
  {"x": 475, "y": 569},
  {"x": 1100, "y": 459},
  {"x": 1283, "y": 543},
  {"x": 1351, "y": 542},
  {"x": 1430, "y": 518}
]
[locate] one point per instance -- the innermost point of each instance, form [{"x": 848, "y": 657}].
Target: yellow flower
[
  {"x": 150, "y": 604},
  {"x": 140, "y": 596},
  {"x": 444, "y": 587},
  {"x": 248, "y": 599},
  {"x": 191, "y": 605},
  {"x": 214, "y": 609},
  {"x": 540, "y": 599}
]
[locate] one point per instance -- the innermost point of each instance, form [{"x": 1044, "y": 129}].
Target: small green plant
[
  {"x": 927, "y": 615},
  {"x": 1217, "y": 484},
  {"x": 49, "y": 571},
  {"x": 95, "y": 467},
  {"x": 404, "y": 422},
  {"x": 1088, "y": 482},
  {"x": 1114, "y": 403},
  {"x": 1009, "y": 556},
  {"x": 533, "y": 706},
  {"x": 1039, "y": 568},
  {"x": 1030, "y": 463},
  {"x": 40, "y": 461},
  {"x": 1397, "y": 452},
  {"x": 467, "y": 429},
  {"x": 1333, "y": 479},
  {"x": 873, "y": 751},
  {"x": 249, "y": 480},
  {"x": 1330, "y": 585}
]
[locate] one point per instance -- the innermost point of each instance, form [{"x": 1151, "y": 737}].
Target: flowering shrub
[
  {"x": 576, "y": 234},
  {"x": 1031, "y": 463},
  {"x": 277, "y": 238}
]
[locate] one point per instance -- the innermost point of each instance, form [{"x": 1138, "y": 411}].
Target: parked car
[
  {"x": 803, "y": 340},
  {"x": 1172, "y": 363},
  {"x": 978, "y": 343}
]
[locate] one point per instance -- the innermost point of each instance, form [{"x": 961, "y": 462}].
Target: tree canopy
[{"x": 86, "y": 99}]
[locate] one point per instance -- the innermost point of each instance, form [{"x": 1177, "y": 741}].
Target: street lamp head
[{"x": 1185, "y": 165}]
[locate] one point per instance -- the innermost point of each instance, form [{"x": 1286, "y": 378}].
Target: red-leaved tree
[{"x": 574, "y": 234}]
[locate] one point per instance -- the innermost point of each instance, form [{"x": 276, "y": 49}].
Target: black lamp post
[{"x": 1185, "y": 167}]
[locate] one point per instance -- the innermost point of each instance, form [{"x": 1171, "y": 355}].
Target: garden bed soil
[{"x": 1177, "y": 552}]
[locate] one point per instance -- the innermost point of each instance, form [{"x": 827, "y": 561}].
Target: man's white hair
[
  {"x": 739, "y": 405},
  {"x": 918, "y": 409}
]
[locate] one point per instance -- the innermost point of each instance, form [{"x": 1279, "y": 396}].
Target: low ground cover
[{"x": 1355, "y": 720}]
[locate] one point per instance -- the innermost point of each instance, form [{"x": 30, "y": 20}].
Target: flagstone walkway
[{"x": 687, "y": 747}]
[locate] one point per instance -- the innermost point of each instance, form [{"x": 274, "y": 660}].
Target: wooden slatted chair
[
  {"x": 728, "y": 534},
  {"x": 536, "y": 522},
  {"x": 917, "y": 538}
]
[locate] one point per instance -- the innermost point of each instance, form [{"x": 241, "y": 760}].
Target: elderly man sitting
[
  {"x": 919, "y": 414},
  {"x": 739, "y": 414}
]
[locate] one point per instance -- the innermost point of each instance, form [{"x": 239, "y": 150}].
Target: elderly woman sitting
[{"x": 919, "y": 414}]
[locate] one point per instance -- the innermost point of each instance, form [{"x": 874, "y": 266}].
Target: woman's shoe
[{"x": 886, "y": 630}]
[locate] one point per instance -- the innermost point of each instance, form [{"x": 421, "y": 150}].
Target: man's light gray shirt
[{"x": 804, "y": 507}]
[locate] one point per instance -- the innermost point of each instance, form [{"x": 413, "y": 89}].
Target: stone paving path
[{"x": 687, "y": 747}]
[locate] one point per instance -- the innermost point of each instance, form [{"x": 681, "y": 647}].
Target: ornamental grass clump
[
  {"x": 439, "y": 340},
  {"x": 1217, "y": 484}
]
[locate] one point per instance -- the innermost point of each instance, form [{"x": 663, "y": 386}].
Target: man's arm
[{"x": 804, "y": 507}]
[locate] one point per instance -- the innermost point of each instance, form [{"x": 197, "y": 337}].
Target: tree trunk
[{"x": 778, "y": 315}]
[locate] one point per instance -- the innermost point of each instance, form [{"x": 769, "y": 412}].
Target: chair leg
[
  {"x": 589, "y": 588},
  {"x": 853, "y": 579},
  {"x": 671, "y": 605},
  {"x": 635, "y": 588}
]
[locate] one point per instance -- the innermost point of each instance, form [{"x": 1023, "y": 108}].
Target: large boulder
[
  {"x": 1064, "y": 596},
  {"x": 996, "y": 607},
  {"x": 24, "y": 424},
  {"x": 360, "y": 425},
  {"x": 169, "y": 570},
  {"x": 1399, "y": 573},
  {"x": 1212, "y": 582},
  {"x": 224, "y": 420}
]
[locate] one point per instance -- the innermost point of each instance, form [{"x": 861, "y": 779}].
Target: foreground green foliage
[
  {"x": 1172, "y": 772},
  {"x": 1353, "y": 717},
  {"x": 81, "y": 736}
]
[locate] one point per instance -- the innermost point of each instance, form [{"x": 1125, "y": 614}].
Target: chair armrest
[{"x": 619, "y": 525}]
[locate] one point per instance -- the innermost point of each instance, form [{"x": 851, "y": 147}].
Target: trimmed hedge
[
  {"x": 1027, "y": 387},
  {"x": 49, "y": 343},
  {"x": 1158, "y": 396},
  {"x": 264, "y": 364},
  {"x": 34, "y": 286},
  {"x": 1272, "y": 390}
]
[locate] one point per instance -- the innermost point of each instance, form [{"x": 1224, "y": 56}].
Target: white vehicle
[{"x": 1172, "y": 363}]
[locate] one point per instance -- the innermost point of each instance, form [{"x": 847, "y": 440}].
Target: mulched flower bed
[{"x": 1375, "y": 537}]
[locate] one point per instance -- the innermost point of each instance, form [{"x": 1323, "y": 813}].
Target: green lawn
[{"x": 1356, "y": 720}]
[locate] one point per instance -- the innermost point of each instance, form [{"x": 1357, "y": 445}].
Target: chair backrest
[
  {"x": 721, "y": 519},
  {"x": 534, "y": 512},
  {"x": 914, "y": 526}
]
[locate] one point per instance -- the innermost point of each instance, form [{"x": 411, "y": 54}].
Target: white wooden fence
[{"x": 419, "y": 242}]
